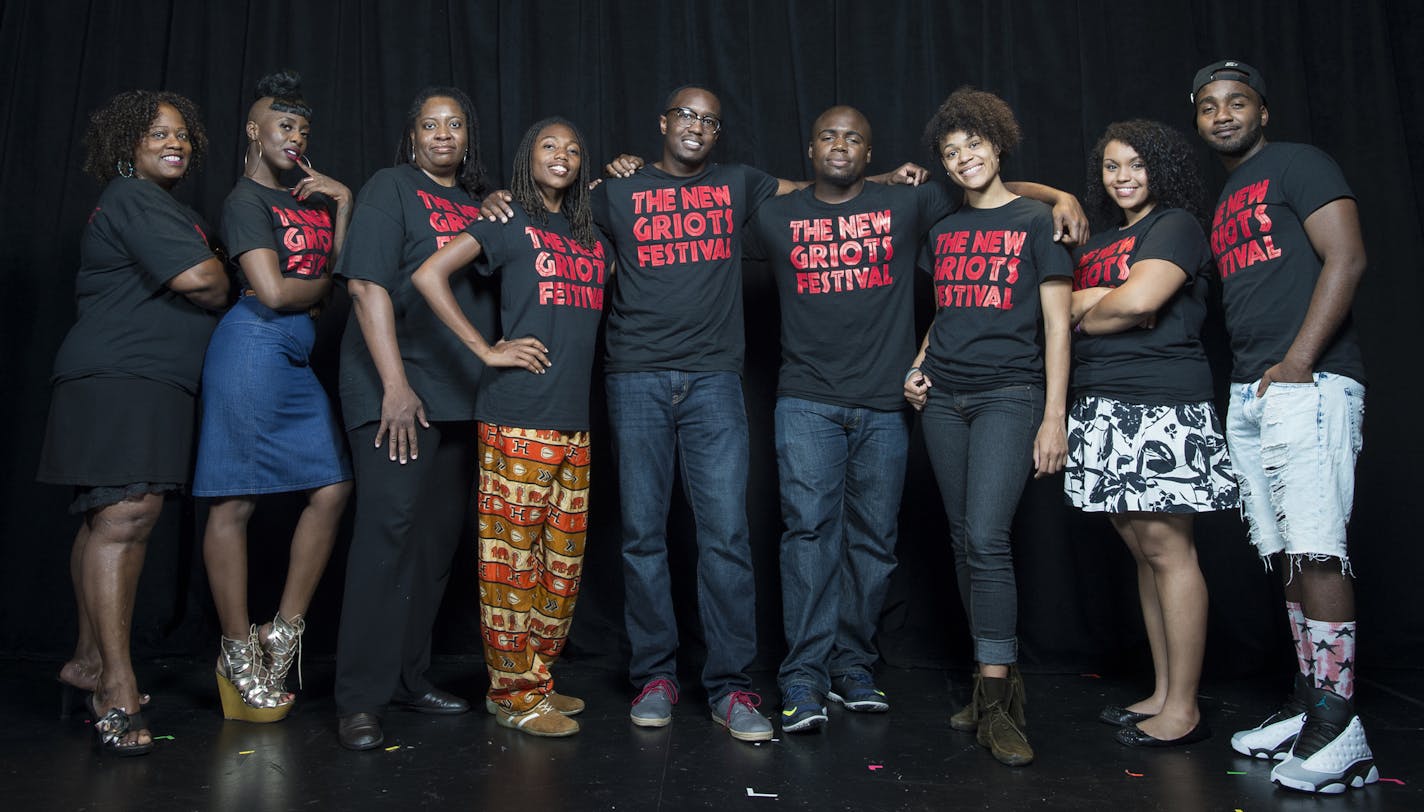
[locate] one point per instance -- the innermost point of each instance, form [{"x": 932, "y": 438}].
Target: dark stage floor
[{"x": 907, "y": 759}]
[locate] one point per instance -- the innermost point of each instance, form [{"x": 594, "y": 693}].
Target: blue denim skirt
[{"x": 267, "y": 424}]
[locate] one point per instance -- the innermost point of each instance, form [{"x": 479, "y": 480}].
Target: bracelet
[{"x": 911, "y": 374}]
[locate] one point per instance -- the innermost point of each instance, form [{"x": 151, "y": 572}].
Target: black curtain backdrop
[{"x": 1340, "y": 77}]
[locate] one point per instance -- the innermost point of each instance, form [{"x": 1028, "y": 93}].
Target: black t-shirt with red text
[
  {"x": 299, "y": 231},
  {"x": 1165, "y": 364},
  {"x": 130, "y": 323},
  {"x": 550, "y": 288},
  {"x": 401, "y": 218},
  {"x": 1268, "y": 267},
  {"x": 677, "y": 302},
  {"x": 987, "y": 266},
  {"x": 845, "y": 278}
]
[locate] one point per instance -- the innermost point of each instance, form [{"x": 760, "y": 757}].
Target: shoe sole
[
  {"x": 743, "y": 736},
  {"x": 806, "y": 725},
  {"x": 1354, "y": 777},
  {"x": 650, "y": 721},
  {"x": 859, "y": 706},
  {"x": 505, "y": 720},
  {"x": 1268, "y": 755}
]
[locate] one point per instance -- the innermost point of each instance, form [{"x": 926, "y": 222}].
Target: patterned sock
[
  {"x": 1334, "y": 655},
  {"x": 1304, "y": 651}
]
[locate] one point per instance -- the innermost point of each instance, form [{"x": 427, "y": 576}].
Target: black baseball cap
[{"x": 1232, "y": 70}]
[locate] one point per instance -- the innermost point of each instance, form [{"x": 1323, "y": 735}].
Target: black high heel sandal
[{"x": 113, "y": 726}]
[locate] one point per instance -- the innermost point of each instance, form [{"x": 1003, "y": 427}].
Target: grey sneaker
[
  {"x": 857, "y": 692},
  {"x": 653, "y": 707},
  {"x": 737, "y": 712}
]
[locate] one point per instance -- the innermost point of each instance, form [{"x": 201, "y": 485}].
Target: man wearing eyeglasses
[{"x": 674, "y": 363}]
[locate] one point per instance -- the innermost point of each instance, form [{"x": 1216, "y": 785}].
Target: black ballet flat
[
  {"x": 1132, "y": 736},
  {"x": 1118, "y": 716}
]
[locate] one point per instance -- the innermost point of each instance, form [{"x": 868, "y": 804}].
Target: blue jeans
[
  {"x": 697, "y": 419},
  {"x": 981, "y": 448},
  {"x": 842, "y": 473}
]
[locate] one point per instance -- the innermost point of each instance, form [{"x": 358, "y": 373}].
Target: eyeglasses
[{"x": 685, "y": 116}]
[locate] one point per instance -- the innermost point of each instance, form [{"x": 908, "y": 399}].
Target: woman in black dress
[{"x": 120, "y": 427}]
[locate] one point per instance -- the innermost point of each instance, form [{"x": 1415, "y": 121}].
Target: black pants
[{"x": 408, "y": 523}]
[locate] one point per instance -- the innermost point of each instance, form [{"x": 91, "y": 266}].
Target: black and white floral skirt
[{"x": 1156, "y": 459}]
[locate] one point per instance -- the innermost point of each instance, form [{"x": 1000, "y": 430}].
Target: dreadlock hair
[
  {"x": 116, "y": 129},
  {"x": 973, "y": 112},
  {"x": 576, "y": 207},
  {"x": 285, "y": 88},
  {"x": 1174, "y": 180},
  {"x": 472, "y": 176}
]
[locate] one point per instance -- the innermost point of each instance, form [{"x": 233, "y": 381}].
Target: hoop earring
[
  {"x": 306, "y": 160},
  {"x": 465, "y": 159},
  {"x": 412, "y": 153},
  {"x": 120, "y": 165}
]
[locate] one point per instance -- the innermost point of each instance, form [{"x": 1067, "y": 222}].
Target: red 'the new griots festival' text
[
  {"x": 842, "y": 254},
  {"x": 308, "y": 237},
  {"x": 1107, "y": 266},
  {"x": 680, "y": 225},
  {"x": 576, "y": 273},
  {"x": 977, "y": 268},
  {"x": 1240, "y": 230}
]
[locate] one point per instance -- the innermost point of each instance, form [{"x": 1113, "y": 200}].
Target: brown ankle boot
[
  {"x": 997, "y": 729},
  {"x": 967, "y": 719}
]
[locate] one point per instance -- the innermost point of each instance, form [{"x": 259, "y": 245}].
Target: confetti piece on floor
[
  {"x": 1393, "y": 781},
  {"x": 1235, "y": 772},
  {"x": 754, "y": 794},
  {"x": 874, "y": 767},
  {"x": 163, "y": 738},
  {"x": 393, "y": 748},
  {"x": 1091, "y": 676},
  {"x": 245, "y": 752},
  {"x": 1133, "y": 774}
]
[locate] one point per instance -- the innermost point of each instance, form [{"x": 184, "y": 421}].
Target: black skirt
[{"x": 111, "y": 432}]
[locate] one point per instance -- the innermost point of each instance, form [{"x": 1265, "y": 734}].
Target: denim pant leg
[
  {"x": 812, "y": 446},
  {"x": 711, "y": 419},
  {"x": 946, "y": 430},
  {"x": 640, "y": 415},
  {"x": 999, "y": 427},
  {"x": 875, "y": 482}
]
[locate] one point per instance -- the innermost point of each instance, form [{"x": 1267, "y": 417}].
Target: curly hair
[
  {"x": 1174, "y": 180},
  {"x": 974, "y": 112},
  {"x": 576, "y": 207},
  {"x": 116, "y": 129},
  {"x": 472, "y": 177},
  {"x": 285, "y": 88}
]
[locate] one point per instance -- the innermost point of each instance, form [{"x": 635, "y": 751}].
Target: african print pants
[{"x": 533, "y": 510}]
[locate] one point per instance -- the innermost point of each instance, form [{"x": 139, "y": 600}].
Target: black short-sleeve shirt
[
  {"x": 130, "y": 322},
  {"x": 401, "y": 218},
  {"x": 551, "y": 288},
  {"x": 299, "y": 231},
  {"x": 1268, "y": 267},
  {"x": 1162, "y": 365},
  {"x": 845, "y": 278},
  {"x": 677, "y": 303},
  {"x": 987, "y": 266}
]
